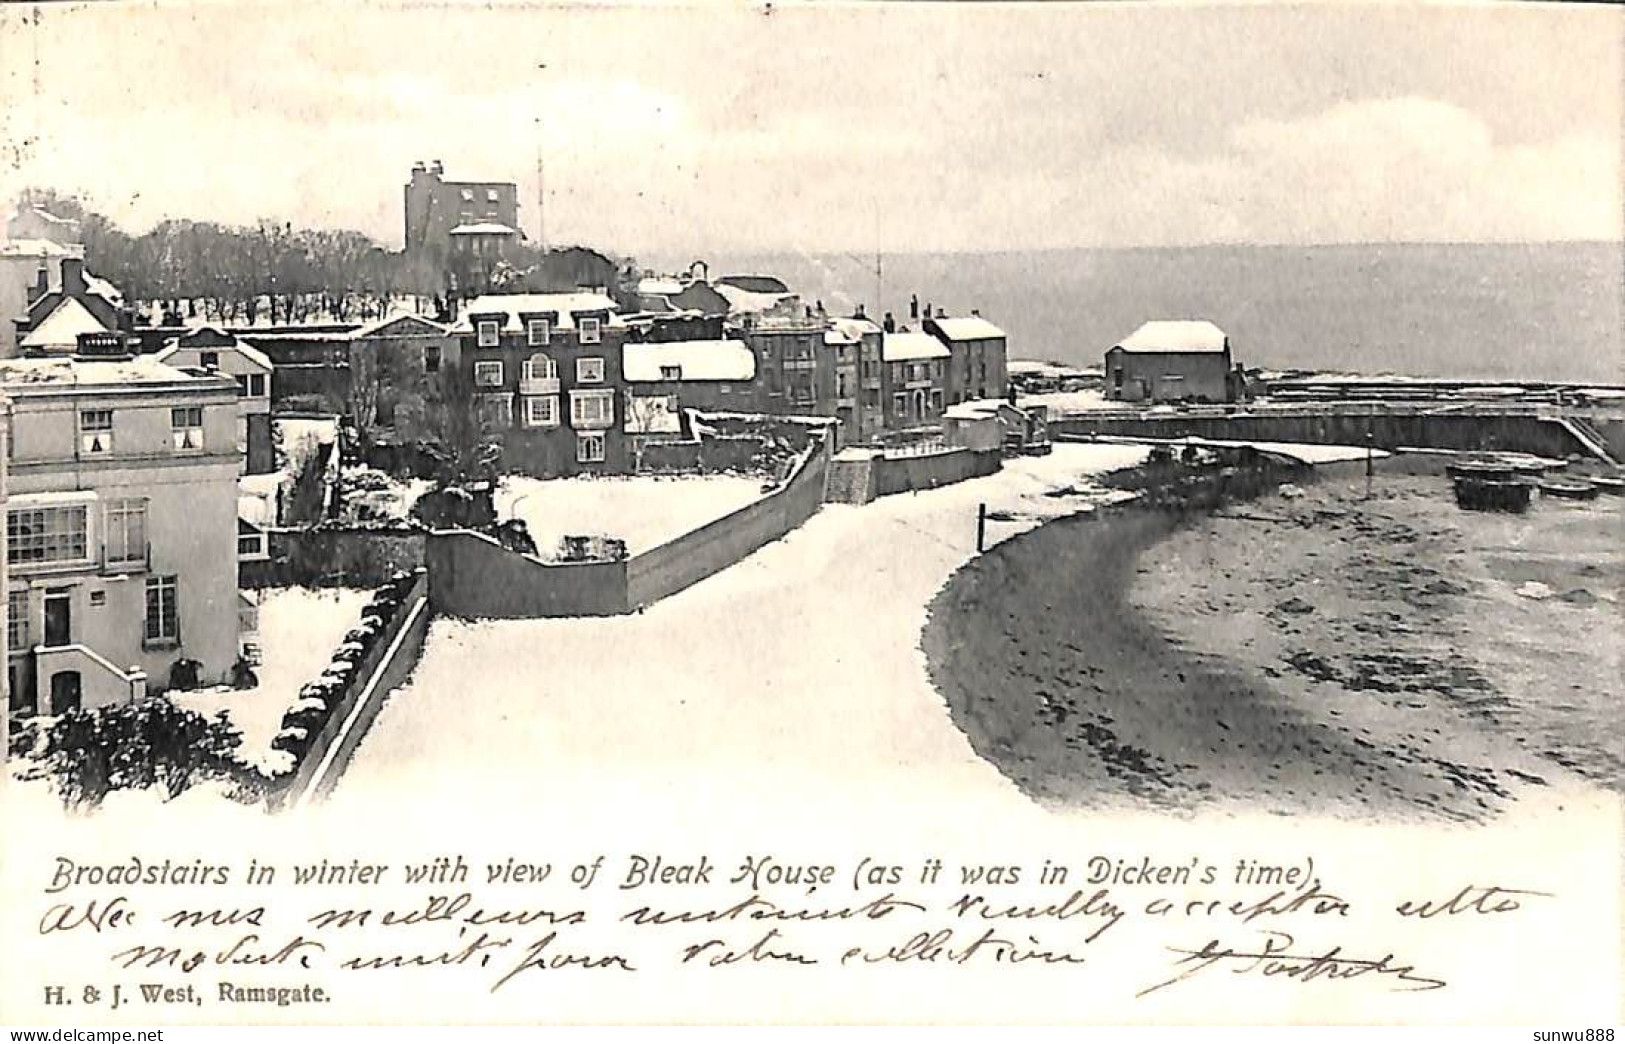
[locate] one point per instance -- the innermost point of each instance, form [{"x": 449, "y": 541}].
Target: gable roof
[
  {"x": 1175, "y": 335},
  {"x": 62, "y": 327},
  {"x": 213, "y": 339},
  {"x": 428, "y": 327}
]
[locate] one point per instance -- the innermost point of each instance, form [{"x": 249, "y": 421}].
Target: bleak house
[{"x": 544, "y": 375}]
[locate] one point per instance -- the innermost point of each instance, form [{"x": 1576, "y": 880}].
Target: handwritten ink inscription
[{"x": 308, "y": 933}]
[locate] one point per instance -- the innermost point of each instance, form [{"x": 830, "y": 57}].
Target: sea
[{"x": 1501, "y": 312}]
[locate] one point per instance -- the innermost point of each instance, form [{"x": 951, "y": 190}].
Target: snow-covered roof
[
  {"x": 485, "y": 228},
  {"x": 17, "y": 375},
  {"x": 843, "y": 330},
  {"x": 516, "y": 305},
  {"x": 741, "y": 301},
  {"x": 909, "y": 346},
  {"x": 394, "y": 317},
  {"x": 974, "y": 409},
  {"x": 967, "y": 328},
  {"x": 37, "y": 248},
  {"x": 105, "y": 290},
  {"x": 247, "y": 351},
  {"x": 61, "y": 329},
  {"x": 257, "y": 511},
  {"x": 694, "y": 360},
  {"x": 660, "y": 286},
  {"x": 1175, "y": 335}
]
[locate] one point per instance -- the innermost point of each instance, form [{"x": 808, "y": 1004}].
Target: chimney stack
[
  {"x": 890, "y": 324},
  {"x": 914, "y": 306},
  {"x": 437, "y": 168},
  {"x": 928, "y": 312}
]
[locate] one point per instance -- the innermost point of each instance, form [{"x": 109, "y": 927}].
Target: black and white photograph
[{"x": 812, "y": 513}]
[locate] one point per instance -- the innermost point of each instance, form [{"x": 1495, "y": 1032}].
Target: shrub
[{"x": 87, "y": 754}]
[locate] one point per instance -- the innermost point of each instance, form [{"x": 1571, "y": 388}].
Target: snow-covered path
[{"x": 793, "y": 680}]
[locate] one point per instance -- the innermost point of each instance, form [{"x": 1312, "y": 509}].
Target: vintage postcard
[{"x": 812, "y": 513}]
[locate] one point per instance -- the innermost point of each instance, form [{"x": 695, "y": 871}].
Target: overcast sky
[{"x": 891, "y": 126}]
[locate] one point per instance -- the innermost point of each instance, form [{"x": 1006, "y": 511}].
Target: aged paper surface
[{"x": 1053, "y": 739}]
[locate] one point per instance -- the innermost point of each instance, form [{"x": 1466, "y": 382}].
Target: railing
[{"x": 50, "y": 660}]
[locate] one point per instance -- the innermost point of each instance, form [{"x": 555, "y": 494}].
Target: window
[
  {"x": 490, "y": 334},
  {"x": 589, "y": 448},
  {"x": 594, "y": 409},
  {"x": 251, "y": 385},
  {"x": 209, "y": 360},
  {"x": 767, "y": 349},
  {"x": 468, "y": 195},
  {"x": 541, "y": 368},
  {"x": 251, "y": 546},
  {"x": 17, "y": 620},
  {"x": 589, "y": 371},
  {"x": 163, "y": 622},
  {"x": 186, "y": 427},
  {"x": 541, "y": 411},
  {"x": 671, "y": 373},
  {"x": 126, "y": 538},
  {"x": 491, "y": 195},
  {"x": 936, "y": 400},
  {"x": 936, "y": 368},
  {"x": 591, "y": 331},
  {"x": 488, "y": 374},
  {"x": 496, "y": 410},
  {"x": 539, "y": 331},
  {"x": 899, "y": 404},
  {"x": 431, "y": 358},
  {"x": 95, "y": 431},
  {"x": 43, "y": 535},
  {"x": 840, "y": 386}
]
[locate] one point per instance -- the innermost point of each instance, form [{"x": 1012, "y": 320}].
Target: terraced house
[
  {"x": 121, "y": 529},
  {"x": 544, "y": 372}
]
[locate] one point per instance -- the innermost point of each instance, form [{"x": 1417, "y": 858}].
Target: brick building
[
  {"x": 914, "y": 378},
  {"x": 544, "y": 374},
  {"x": 434, "y": 207},
  {"x": 978, "y": 356}
]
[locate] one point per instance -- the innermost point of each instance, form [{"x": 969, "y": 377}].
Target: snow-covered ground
[
  {"x": 1069, "y": 401},
  {"x": 299, "y": 630},
  {"x": 1308, "y": 452},
  {"x": 643, "y": 510},
  {"x": 793, "y": 678}
]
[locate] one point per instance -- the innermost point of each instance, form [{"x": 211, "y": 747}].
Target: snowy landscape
[{"x": 643, "y": 510}]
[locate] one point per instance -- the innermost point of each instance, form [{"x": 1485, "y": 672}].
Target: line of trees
[
  {"x": 235, "y": 273},
  {"x": 239, "y": 273}
]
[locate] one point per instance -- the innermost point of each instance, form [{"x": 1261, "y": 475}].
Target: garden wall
[
  {"x": 384, "y": 668},
  {"x": 692, "y": 557},
  {"x": 930, "y": 470},
  {"x": 472, "y": 575}
]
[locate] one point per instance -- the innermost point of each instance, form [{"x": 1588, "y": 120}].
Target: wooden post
[
  {"x": 1370, "y": 442},
  {"x": 981, "y": 527}
]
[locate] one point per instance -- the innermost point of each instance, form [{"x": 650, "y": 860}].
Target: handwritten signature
[{"x": 1275, "y": 959}]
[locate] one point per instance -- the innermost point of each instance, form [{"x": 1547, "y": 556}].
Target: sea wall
[{"x": 1389, "y": 429}]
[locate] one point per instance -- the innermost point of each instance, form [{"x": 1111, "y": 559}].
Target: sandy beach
[{"x": 1390, "y": 658}]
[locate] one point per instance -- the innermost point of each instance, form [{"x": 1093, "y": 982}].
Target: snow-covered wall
[{"x": 473, "y": 576}]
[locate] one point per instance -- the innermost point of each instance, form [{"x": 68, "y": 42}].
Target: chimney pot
[{"x": 914, "y": 306}]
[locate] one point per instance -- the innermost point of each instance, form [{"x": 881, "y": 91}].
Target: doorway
[
  {"x": 58, "y": 617},
  {"x": 65, "y": 692}
]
